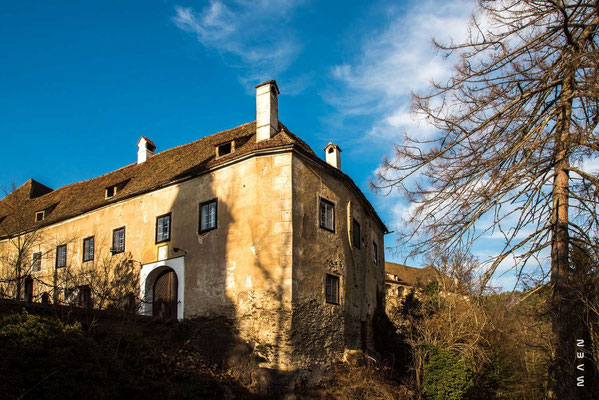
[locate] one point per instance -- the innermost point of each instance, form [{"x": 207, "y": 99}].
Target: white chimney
[
  {"x": 267, "y": 110},
  {"x": 145, "y": 149},
  {"x": 333, "y": 155}
]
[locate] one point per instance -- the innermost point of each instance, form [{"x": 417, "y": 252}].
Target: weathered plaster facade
[
  {"x": 325, "y": 330},
  {"x": 264, "y": 265}
]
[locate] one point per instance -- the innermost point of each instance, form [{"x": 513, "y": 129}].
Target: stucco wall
[
  {"x": 321, "y": 330},
  {"x": 241, "y": 269},
  {"x": 265, "y": 265}
]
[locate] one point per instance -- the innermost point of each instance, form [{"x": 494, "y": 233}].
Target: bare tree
[
  {"x": 111, "y": 281},
  {"x": 455, "y": 269},
  {"x": 19, "y": 241},
  {"x": 517, "y": 119}
]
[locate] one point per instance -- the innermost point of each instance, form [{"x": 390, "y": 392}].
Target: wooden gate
[{"x": 164, "y": 302}]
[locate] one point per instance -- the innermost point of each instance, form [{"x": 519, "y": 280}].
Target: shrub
[
  {"x": 43, "y": 358},
  {"x": 447, "y": 376}
]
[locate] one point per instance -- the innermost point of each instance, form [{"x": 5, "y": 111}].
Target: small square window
[
  {"x": 163, "y": 228},
  {"x": 208, "y": 216},
  {"x": 36, "y": 262},
  {"x": 332, "y": 289},
  {"x": 61, "y": 256},
  {"x": 224, "y": 149},
  {"x": 110, "y": 191},
  {"x": 327, "y": 215},
  {"x": 356, "y": 234},
  {"x": 118, "y": 240},
  {"x": 88, "y": 249},
  {"x": 375, "y": 253},
  {"x": 39, "y": 216}
]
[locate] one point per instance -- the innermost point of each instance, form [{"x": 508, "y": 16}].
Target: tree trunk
[
  {"x": 566, "y": 325},
  {"x": 18, "y": 277},
  {"x": 562, "y": 318}
]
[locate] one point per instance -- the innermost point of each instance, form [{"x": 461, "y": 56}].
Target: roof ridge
[{"x": 205, "y": 137}]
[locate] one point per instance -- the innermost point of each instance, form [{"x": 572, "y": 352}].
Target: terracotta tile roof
[
  {"x": 159, "y": 170},
  {"x": 417, "y": 277}
]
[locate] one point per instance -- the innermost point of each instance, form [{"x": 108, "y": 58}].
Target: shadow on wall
[{"x": 226, "y": 268}]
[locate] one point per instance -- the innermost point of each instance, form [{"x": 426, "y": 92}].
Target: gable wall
[{"x": 322, "y": 330}]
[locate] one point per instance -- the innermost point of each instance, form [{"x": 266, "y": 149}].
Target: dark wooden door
[{"x": 165, "y": 296}]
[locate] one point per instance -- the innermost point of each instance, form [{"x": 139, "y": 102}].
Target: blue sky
[{"x": 81, "y": 81}]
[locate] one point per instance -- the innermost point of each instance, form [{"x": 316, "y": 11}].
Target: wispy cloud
[
  {"x": 249, "y": 35},
  {"x": 398, "y": 61}
]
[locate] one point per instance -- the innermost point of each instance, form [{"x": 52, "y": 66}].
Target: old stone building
[
  {"x": 402, "y": 279},
  {"x": 247, "y": 222}
]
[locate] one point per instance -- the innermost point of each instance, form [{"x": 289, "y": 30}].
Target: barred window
[
  {"x": 61, "y": 256},
  {"x": 88, "y": 249},
  {"x": 327, "y": 215},
  {"x": 332, "y": 289},
  {"x": 208, "y": 216},
  {"x": 163, "y": 228},
  {"x": 118, "y": 240}
]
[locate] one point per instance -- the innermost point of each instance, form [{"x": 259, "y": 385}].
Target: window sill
[
  {"x": 324, "y": 228},
  {"x": 201, "y": 232}
]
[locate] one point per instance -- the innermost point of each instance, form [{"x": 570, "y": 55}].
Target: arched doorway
[
  {"x": 149, "y": 275},
  {"x": 164, "y": 298}
]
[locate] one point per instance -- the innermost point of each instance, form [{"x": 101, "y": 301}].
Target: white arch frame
[{"x": 148, "y": 274}]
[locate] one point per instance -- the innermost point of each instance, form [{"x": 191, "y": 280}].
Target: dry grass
[{"x": 359, "y": 383}]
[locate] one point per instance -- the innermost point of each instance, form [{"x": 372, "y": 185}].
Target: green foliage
[
  {"x": 447, "y": 376},
  {"x": 44, "y": 358},
  {"x": 50, "y": 360}
]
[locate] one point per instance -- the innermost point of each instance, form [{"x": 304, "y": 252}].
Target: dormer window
[
  {"x": 225, "y": 148},
  {"x": 113, "y": 190},
  {"x": 40, "y": 215}
]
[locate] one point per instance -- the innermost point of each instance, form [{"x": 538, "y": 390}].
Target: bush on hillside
[{"x": 43, "y": 358}]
